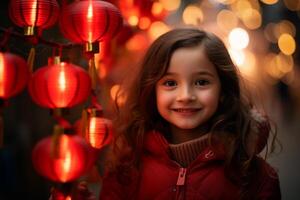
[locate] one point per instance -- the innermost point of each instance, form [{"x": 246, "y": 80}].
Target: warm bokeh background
[{"x": 261, "y": 35}]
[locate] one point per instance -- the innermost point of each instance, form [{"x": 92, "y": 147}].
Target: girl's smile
[
  {"x": 188, "y": 94},
  {"x": 186, "y": 111}
]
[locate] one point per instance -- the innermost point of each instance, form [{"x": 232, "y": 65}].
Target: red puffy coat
[{"x": 162, "y": 178}]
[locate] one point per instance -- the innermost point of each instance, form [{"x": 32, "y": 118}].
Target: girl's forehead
[{"x": 192, "y": 59}]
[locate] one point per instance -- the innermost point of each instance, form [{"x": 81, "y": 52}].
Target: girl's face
[{"x": 188, "y": 94}]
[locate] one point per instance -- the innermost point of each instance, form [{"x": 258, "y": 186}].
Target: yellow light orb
[
  {"x": 252, "y": 18},
  {"x": 238, "y": 38},
  {"x": 227, "y": 20},
  {"x": 133, "y": 20},
  {"x": 285, "y": 26},
  {"x": 156, "y": 29},
  {"x": 269, "y": 2},
  {"x": 286, "y": 44},
  {"x": 192, "y": 15},
  {"x": 170, "y": 5},
  {"x": 238, "y": 57}
]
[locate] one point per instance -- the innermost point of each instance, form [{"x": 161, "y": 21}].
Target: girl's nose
[{"x": 186, "y": 94}]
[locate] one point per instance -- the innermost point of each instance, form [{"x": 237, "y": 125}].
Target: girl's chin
[{"x": 191, "y": 128}]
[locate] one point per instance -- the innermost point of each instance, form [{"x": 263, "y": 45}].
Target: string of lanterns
[
  {"x": 71, "y": 150},
  {"x": 64, "y": 156}
]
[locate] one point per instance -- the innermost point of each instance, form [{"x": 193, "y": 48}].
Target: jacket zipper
[
  {"x": 180, "y": 183},
  {"x": 181, "y": 176}
]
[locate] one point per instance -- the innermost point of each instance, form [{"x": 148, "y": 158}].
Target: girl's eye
[
  {"x": 201, "y": 82},
  {"x": 170, "y": 83}
]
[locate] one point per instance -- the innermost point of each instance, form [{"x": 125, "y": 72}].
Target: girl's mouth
[{"x": 186, "y": 110}]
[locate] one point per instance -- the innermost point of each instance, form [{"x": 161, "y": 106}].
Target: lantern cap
[
  {"x": 92, "y": 47},
  {"x": 30, "y": 31},
  {"x": 95, "y": 112}
]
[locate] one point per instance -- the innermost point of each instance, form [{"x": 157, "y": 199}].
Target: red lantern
[
  {"x": 74, "y": 158},
  {"x": 97, "y": 130},
  {"x": 60, "y": 85},
  {"x": 14, "y": 74},
  {"x": 33, "y": 13},
  {"x": 88, "y": 21}
]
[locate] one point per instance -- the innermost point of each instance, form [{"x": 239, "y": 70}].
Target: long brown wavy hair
[{"x": 140, "y": 115}]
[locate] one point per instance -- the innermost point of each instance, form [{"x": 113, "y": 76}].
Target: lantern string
[
  {"x": 57, "y": 51},
  {"x": 30, "y": 59},
  {"x": 83, "y": 122},
  {"x": 62, "y": 122},
  {"x": 6, "y": 37},
  {"x": 94, "y": 100},
  {"x": 62, "y": 191},
  {"x": 92, "y": 72},
  {"x": 38, "y": 39}
]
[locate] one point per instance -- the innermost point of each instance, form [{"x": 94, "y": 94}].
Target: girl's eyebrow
[
  {"x": 206, "y": 73},
  {"x": 197, "y": 73}
]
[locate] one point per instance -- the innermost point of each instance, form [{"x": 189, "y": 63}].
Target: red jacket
[{"x": 162, "y": 178}]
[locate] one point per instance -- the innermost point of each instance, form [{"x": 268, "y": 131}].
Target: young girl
[{"x": 186, "y": 131}]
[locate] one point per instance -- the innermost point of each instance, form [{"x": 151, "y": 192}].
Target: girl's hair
[{"x": 140, "y": 115}]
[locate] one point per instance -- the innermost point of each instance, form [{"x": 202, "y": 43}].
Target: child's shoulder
[
  {"x": 266, "y": 171},
  {"x": 267, "y": 181}
]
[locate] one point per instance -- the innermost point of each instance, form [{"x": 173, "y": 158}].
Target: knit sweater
[{"x": 186, "y": 152}]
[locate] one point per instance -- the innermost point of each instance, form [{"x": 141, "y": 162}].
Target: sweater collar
[{"x": 157, "y": 145}]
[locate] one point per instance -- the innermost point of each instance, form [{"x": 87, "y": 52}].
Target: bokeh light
[
  {"x": 278, "y": 65},
  {"x": 285, "y": 26},
  {"x": 287, "y": 44},
  {"x": 269, "y": 32},
  {"x": 227, "y": 20},
  {"x": 157, "y": 8},
  {"x": 156, "y": 29},
  {"x": 251, "y": 18},
  {"x": 292, "y": 5},
  {"x": 133, "y": 20},
  {"x": 192, "y": 15},
  {"x": 269, "y": 2},
  {"x": 237, "y": 56},
  {"x": 144, "y": 23},
  {"x": 137, "y": 43},
  {"x": 170, "y": 5},
  {"x": 238, "y": 38},
  {"x": 248, "y": 68},
  {"x": 226, "y": 2}
]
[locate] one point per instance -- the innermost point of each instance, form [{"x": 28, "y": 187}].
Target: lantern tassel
[
  {"x": 92, "y": 72},
  {"x": 83, "y": 122},
  {"x": 58, "y": 131},
  {"x": 30, "y": 59}
]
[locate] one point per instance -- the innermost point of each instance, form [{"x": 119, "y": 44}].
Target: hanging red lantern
[
  {"x": 75, "y": 157},
  {"x": 14, "y": 74},
  {"x": 97, "y": 130},
  {"x": 60, "y": 85},
  {"x": 33, "y": 13},
  {"x": 90, "y": 21}
]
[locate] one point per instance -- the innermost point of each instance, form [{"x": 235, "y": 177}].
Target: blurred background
[{"x": 261, "y": 35}]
